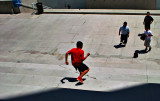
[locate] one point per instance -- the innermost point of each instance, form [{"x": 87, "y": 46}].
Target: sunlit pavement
[{"x": 32, "y": 49}]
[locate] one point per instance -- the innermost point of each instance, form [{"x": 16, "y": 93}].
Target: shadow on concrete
[
  {"x": 139, "y": 52},
  {"x": 146, "y": 92},
  {"x": 70, "y": 79},
  {"x": 119, "y": 46}
]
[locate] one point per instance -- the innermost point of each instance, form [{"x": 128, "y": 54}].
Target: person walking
[
  {"x": 77, "y": 58},
  {"x": 124, "y": 32},
  {"x": 147, "y": 41},
  {"x": 148, "y": 20}
]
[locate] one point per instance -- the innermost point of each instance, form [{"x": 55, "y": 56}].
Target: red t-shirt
[{"x": 77, "y": 56}]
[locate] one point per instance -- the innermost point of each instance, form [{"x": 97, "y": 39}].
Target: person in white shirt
[
  {"x": 124, "y": 32},
  {"x": 147, "y": 41}
]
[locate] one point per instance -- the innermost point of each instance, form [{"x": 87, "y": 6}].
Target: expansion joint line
[{"x": 147, "y": 73}]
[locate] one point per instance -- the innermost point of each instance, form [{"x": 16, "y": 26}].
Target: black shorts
[{"x": 82, "y": 67}]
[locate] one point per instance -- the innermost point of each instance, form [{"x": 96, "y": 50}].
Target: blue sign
[{"x": 16, "y": 3}]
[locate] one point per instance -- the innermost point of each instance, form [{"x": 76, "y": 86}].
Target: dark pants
[
  {"x": 124, "y": 38},
  {"x": 147, "y": 26}
]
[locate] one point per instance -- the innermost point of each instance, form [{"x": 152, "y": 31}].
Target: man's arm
[
  {"x": 128, "y": 32},
  {"x": 66, "y": 58},
  {"x": 144, "y": 20},
  {"x": 86, "y": 56},
  {"x": 119, "y": 30},
  {"x": 150, "y": 34},
  {"x": 152, "y": 20}
]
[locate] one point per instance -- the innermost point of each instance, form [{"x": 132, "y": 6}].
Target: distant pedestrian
[
  {"x": 124, "y": 32},
  {"x": 147, "y": 41},
  {"x": 148, "y": 20},
  {"x": 69, "y": 7},
  {"x": 77, "y": 57}
]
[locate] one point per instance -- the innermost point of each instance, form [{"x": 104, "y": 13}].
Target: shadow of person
[
  {"x": 139, "y": 52},
  {"x": 70, "y": 79},
  {"x": 78, "y": 84},
  {"x": 119, "y": 46}
]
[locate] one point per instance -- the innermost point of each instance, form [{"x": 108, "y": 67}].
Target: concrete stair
[{"x": 23, "y": 78}]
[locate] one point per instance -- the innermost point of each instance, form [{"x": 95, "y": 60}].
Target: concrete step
[
  {"x": 100, "y": 11},
  {"x": 12, "y": 90},
  {"x": 20, "y": 78},
  {"x": 48, "y": 70}
]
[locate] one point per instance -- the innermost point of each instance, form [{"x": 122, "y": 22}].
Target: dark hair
[
  {"x": 148, "y": 12},
  {"x": 79, "y": 44},
  {"x": 125, "y": 23}
]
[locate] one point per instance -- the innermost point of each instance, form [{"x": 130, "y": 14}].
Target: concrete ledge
[
  {"x": 6, "y": 7},
  {"x": 100, "y": 11}
]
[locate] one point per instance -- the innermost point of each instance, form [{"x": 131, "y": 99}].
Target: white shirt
[
  {"x": 124, "y": 30},
  {"x": 149, "y": 33}
]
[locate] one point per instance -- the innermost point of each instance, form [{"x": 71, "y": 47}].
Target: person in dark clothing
[{"x": 148, "y": 20}]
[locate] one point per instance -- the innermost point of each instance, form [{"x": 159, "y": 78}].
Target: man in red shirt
[{"x": 77, "y": 57}]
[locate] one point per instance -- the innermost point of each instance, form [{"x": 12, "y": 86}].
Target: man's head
[
  {"x": 125, "y": 24},
  {"x": 79, "y": 44},
  {"x": 148, "y": 14}
]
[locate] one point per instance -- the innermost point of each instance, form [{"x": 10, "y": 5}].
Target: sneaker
[
  {"x": 120, "y": 43},
  {"x": 149, "y": 49},
  {"x": 145, "y": 49},
  {"x": 80, "y": 79}
]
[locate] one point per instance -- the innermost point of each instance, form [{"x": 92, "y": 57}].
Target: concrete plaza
[{"x": 33, "y": 47}]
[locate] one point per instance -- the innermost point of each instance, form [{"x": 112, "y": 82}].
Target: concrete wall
[
  {"x": 6, "y": 7},
  {"x": 158, "y": 4},
  {"x": 62, "y": 4},
  {"x": 103, "y": 4},
  {"x": 86, "y": 4},
  {"x": 28, "y": 2},
  {"x": 121, "y": 4}
]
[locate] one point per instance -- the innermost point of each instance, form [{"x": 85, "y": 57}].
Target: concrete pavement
[
  {"x": 32, "y": 49},
  {"x": 101, "y": 11}
]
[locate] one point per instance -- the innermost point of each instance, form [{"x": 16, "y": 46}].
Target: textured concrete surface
[
  {"x": 101, "y": 11},
  {"x": 32, "y": 49}
]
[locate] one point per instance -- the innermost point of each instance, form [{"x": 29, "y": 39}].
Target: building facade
[{"x": 103, "y": 4}]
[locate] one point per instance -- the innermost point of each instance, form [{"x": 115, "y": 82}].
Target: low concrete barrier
[{"x": 6, "y": 7}]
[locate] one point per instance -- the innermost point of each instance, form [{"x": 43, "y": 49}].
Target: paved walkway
[
  {"x": 32, "y": 49},
  {"x": 101, "y": 11}
]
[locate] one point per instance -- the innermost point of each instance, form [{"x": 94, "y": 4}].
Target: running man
[{"x": 77, "y": 57}]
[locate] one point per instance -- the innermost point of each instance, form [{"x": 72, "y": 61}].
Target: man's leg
[
  {"x": 145, "y": 44},
  {"x": 150, "y": 48},
  {"x": 147, "y": 26},
  {"x": 146, "y": 49},
  {"x": 125, "y": 39},
  {"x": 83, "y": 73},
  {"x": 83, "y": 69},
  {"x": 121, "y": 39},
  {"x": 150, "y": 45}
]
